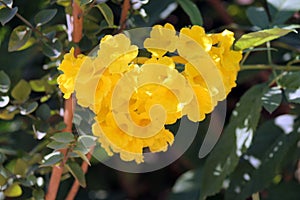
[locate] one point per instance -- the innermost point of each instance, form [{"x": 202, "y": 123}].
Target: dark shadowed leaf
[
  {"x": 258, "y": 17},
  {"x": 75, "y": 169},
  {"x": 191, "y": 9},
  {"x": 44, "y": 16},
  {"x": 43, "y": 112},
  {"x": 6, "y": 14},
  {"x": 107, "y": 13},
  {"x": 235, "y": 140}
]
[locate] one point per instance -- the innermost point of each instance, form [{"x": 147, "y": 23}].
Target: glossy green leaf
[
  {"x": 37, "y": 85},
  {"x": 18, "y": 38},
  {"x": 64, "y": 137},
  {"x": 28, "y": 108},
  {"x": 43, "y": 112},
  {"x": 75, "y": 169},
  {"x": 6, "y": 14},
  {"x": 270, "y": 166},
  {"x": 107, "y": 13},
  {"x": 52, "y": 50},
  {"x": 20, "y": 167},
  {"x": 21, "y": 91},
  {"x": 4, "y": 82},
  {"x": 85, "y": 2},
  {"x": 234, "y": 141},
  {"x": 52, "y": 159},
  {"x": 57, "y": 145},
  {"x": 290, "y": 80},
  {"x": 191, "y": 9},
  {"x": 87, "y": 140},
  {"x": 2, "y": 180},
  {"x": 292, "y": 95},
  {"x": 9, "y": 3},
  {"x": 272, "y": 99},
  {"x": 258, "y": 17},
  {"x": 260, "y": 37},
  {"x": 285, "y": 5},
  {"x": 44, "y": 16},
  {"x": 13, "y": 190},
  {"x": 83, "y": 157}
]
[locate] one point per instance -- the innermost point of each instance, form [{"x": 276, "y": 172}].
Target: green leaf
[
  {"x": 6, "y": 14},
  {"x": 21, "y": 91},
  {"x": 53, "y": 49},
  {"x": 85, "y": 2},
  {"x": 4, "y": 82},
  {"x": 57, "y": 145},
  {"x": 272, "y": 99},
  {"x": 44, "y": 16},
  {"x": 279, "y": 17},
  {"x": 290, "y": 80},
  {"x": 235, "y": 140},
  {"x": 37, "y": 85},
  {"x": 187, "y": 185},
  {"x": 285, "y": 5},
  {"x": 63, "y": 137},
  {"x": 2, "y": 180},
  {"x": 292, "y": 95},
  {"x": 9, "y": 3},
  {"x": 77, "y": 172},
  {"x": 43, "y": 112},
  {"x": 271, "y": 165},
  {"x": 4, "y": 100},
  {"x": 13, "y": 191},
  {"x": 52, "y": 159},
  {"x": 28, "y": 108},
  {"x": 191, "y": 9},
  {"x": 107, "y": 13},
  {"x": 38, "y": 194},
  {"x": 20, "y": 167},
  {"x": 87, "y": 140},
  {"x": 83, "y": 157},
  {"x": 258, "y": 17},
  {"x": 18, "y": 38},
  {"x": 260, "y": 37},
  {"x": 8, "y": 114}
]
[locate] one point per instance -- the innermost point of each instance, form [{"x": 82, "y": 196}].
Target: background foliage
[{"x": 33, "y": 39}]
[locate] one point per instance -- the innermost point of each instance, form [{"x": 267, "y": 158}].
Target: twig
[
  {"x": 275, "y": 67},
  {"x": 75, "y": 187},
  {"x": 124, "y": 13}
]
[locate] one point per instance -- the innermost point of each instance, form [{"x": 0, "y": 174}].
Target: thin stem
[
  {"x": 265, "y": 67},
  {"x": 75, "y": 187},
  {"x": 245, "y": 57},
  {"x": 124, "y": 14}
]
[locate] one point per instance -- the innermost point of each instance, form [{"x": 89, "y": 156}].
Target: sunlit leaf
[
  {"x": 52, "y": 159},
  {"x": 2, "y": 180},
  {"x": 37, "y": 85},
  {"x": 19, "y": 37},
  {"x": 21, "y": 91},
  {"x": 44, "y": 16},
  {"x": 191, "y": 9},
  {"x": 13, "y": 190},
  {"x": 20, "y": 167},
  {"x": 285, "y": 5},
  {"x": 77, "y": 172},
  {"x": 4, "y": 100},
  {"x": 260, "y": 37}
]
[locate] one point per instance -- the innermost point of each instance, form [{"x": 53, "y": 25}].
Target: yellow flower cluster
[{"x": 133, "y": 98}]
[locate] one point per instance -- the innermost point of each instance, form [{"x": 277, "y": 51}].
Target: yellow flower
[
  {"x": 162, "y": 39},
  {"x": 70, "y": 67}
]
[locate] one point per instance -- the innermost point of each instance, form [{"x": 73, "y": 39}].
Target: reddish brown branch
[
  {"x": 75, "y": 187},
  {"x": 68, "y": 111},
  {"x": 124, "y": 14},
  {"x": 220, "y": 9}
]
